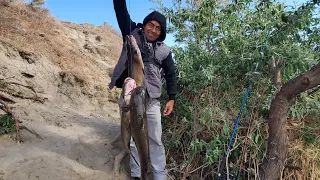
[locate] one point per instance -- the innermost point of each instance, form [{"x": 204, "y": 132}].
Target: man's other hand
[{"x": 169, "y": 108}]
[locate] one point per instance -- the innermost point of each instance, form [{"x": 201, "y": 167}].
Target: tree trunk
[{"x": 273, "y": 163}]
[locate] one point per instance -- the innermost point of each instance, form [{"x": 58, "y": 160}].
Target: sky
[{"x": 97, "y": 12}]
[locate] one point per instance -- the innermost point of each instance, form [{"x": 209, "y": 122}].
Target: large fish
[{"x": 133, "y": 116}]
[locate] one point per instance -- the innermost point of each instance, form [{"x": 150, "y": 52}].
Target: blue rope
[
  {"x": 265, "y": 41},
  {"x": 241, "y": 109},
  {"x": 239, "y": 115}
]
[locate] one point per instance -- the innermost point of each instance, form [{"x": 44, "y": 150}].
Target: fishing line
[{"x": 127, "y": 43}]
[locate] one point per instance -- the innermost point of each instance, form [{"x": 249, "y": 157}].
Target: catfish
[
  {"x": 133, "y": 117},
  {"x": 138, "y": 115}
]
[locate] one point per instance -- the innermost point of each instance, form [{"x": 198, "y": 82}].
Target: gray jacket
[{"x": 152, "y": 58}]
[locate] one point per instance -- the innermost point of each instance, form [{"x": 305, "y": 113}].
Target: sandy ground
[{"x": 75, "y": 145}]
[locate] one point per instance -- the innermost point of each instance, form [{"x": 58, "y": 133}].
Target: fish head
[{"x": 129, "y": 86}]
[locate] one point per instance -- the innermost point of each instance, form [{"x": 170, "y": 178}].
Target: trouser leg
[{"x": 157, "y": 151}]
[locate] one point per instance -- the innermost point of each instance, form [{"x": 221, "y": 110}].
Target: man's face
[{"x": 152, "y": 30}]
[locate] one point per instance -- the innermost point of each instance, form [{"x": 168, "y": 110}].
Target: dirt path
[{"x": 75, "y": 144}]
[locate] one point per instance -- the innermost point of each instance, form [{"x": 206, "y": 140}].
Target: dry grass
[
  {"x": 306, "y": 160},
  {"x": 303, "y": 158}
]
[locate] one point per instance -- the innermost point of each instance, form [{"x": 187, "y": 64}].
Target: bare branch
[
  {"x": 35, "y": 98},
  {"x": 6, "y": 98},
  {"x": 31, "y": 131},
  {"x": 117, "y": 162}
]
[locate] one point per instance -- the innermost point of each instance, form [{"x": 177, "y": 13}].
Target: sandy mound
[{"x": 57, "y": 73}]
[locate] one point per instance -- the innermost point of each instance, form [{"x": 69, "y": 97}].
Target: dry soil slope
[{"x": 68, "y": 66}]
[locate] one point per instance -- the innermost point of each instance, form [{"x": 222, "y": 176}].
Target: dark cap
[{"x": 161, "y": 19}]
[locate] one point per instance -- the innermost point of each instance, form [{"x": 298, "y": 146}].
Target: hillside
[{"x": 57, "y": 74}]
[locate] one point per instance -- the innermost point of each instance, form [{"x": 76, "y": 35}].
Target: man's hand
[{"x": 169, "y": 108}]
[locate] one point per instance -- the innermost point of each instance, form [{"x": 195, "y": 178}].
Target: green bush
[
  {"x": 6, "y": 124},
  {"x": 35, "y": 3}
]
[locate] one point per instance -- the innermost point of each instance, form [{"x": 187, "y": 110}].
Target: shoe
[{"x": 135, "y": 178}]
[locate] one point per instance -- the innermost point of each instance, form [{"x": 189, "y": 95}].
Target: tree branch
[
  {"x": 276, "y": 71},
  {"x": 273, "y": 163},
  {"x": 35, "y": 98}
]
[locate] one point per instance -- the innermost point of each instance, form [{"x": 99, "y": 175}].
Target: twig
[
  {"x": 186, "y": 173},
  {"x": 175, "y": 170},
  {"x": 256, "y": 169},
  {"x": 116, "y": 165},
  {"x": 314, "y": 91},
  {"x": 31, "y": 131},
  {"x": 115, "y": 139},
  {"x": 26, "y": 86},
  {"x": 1, "y": 79},
  {"x": 203, "y": 166},
  {"x": 313, "y": 168},
  {"x": 36, "y": 98},
  {"x": 6, "y": 109},
  {"x": 6, "y": 98},
  {"x": 189, "y": 168},
  {"x": 170, "y": 177},
  {"x": 112, "y": 100},
  {"x": 289, "y": 167},
  {"x": 227, "y": 157},
  {"x": 195, "y": 118}
]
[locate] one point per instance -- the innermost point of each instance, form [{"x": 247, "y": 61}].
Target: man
[{"x": 156, "y": 57}]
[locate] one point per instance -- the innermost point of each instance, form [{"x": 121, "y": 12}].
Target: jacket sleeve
[
  {"x": 170, "y": 76},
  {"x": 124, "y": 20}
]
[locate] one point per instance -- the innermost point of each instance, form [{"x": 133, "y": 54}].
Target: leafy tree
[{"x": 218, "y": 45}]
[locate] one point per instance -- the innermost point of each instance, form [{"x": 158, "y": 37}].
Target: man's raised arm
[{"x": 124, "y": 21}]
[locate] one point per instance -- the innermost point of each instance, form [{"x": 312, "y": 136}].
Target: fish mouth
[{"x": 132, "y": 40}]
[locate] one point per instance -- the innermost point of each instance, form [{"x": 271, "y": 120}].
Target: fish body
[{"x": 139, "y": 128}]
